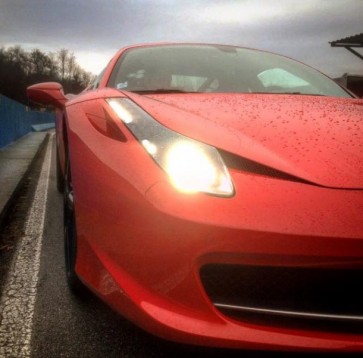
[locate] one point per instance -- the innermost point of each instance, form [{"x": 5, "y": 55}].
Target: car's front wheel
[
  {"x": 70, "y": 233},
  {"x": 59, "y": 175}
]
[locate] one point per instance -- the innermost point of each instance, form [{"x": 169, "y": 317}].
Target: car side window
[{"x": 97, "y": 81}]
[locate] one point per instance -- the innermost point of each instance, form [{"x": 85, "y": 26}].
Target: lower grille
[{"x": 287, "y": 294}]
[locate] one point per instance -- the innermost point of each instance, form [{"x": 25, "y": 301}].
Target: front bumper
[{"x": 144, "y": 254}]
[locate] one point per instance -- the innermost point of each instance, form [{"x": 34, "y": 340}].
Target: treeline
[{"x": 20, "y": 69}]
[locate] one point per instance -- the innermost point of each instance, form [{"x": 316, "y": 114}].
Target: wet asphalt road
[{"x": 64, "y": 325}]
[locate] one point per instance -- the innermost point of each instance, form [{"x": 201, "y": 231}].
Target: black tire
[
  {"x": 60, "y": 177},
  {"x": 70, "y": 235}
]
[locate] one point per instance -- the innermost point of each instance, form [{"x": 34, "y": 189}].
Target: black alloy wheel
[
  {"x": 70, "y": 234},
  {"x": 59, "y": 175}
]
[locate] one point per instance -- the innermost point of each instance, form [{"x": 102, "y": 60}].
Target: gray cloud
[{"x": 299, "y": 29}]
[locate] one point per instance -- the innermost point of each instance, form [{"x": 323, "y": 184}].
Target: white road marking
[{"x": 17, "y": 302}]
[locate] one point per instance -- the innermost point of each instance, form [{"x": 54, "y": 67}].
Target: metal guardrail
[{"x": 16, "y": 120}]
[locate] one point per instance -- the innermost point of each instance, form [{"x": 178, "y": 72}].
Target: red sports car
[{"x": 214, "y": 196}]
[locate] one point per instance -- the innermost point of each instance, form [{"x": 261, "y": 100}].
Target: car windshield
[{"x": 223, "y": 69}]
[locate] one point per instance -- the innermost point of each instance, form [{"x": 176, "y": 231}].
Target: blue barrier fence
[{"x": 16, "y": 120}]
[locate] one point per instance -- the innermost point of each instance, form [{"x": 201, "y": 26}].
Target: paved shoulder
[{"x": 15, "y": 161}]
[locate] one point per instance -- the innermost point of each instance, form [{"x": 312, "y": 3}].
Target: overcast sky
[{"x": 95, "y": 29}]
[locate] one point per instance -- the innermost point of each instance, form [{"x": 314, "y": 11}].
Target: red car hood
[{"x": 315, "y": 138}]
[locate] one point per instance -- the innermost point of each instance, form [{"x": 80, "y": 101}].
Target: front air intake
[{"x": 317, "y": 297}]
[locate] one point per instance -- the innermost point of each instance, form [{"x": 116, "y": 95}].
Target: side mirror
[{"x": 47, "y": 93}]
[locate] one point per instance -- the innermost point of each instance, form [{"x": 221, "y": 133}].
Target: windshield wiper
[
  {"x": 161, "y": 90},
  {"x": 295, "y": 93}
]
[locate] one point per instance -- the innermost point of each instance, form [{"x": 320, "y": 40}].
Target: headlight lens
[{"x": 192, "y": 166}]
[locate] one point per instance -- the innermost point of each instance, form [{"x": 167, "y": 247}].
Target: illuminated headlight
[{"x": 192, "y": 166}]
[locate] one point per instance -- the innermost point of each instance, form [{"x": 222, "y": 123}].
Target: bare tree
[
  {"x": 19, "y": 69},
  {"x": 62, "y": 55}
]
